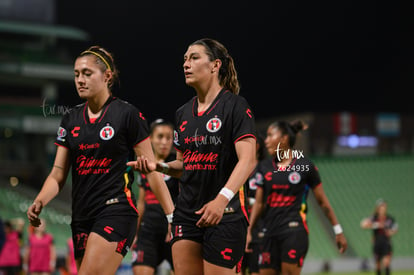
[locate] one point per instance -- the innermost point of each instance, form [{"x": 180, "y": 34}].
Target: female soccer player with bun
[
  {"x": 281, "y": 202},
  {"x": 216, "y": 150},
  {"x": 96, "y": 139}
]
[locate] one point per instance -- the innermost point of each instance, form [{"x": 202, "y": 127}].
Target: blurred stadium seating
[{"x": 353, "y": 184}]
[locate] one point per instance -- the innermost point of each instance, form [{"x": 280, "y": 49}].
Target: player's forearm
[
  {"x": 255, "y": 214},
  {"x": 50, "y": 189},
  {"x": 240, "y": 174},
  {"x": 325, "y": 205},
  {"x": 329, "y": 213},
  {"x": 160, "y": 190}
]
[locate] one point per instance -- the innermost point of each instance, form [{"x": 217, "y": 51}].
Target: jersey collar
[
  {"x": 212, "y": 105},
  {"x": 104, "y": 109}
]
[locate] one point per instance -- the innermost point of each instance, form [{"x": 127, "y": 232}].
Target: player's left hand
[
  {"x": 341, "y": 243},
  {"x": 169, "y": 235},
  {"x": 212, "y": 212}
]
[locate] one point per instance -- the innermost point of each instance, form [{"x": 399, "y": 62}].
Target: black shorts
[
  {"x": 382, "y": 249},
  {"x": 151, "y": 248},
  {"x": 251, "y": 259},
  {"x": 288, "y": 248},
  {"x": 120, "y": 229},
  {"x": 223, "y": 244}
]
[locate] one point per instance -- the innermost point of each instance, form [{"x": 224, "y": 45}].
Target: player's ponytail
[{"x": 227, "y": 73}]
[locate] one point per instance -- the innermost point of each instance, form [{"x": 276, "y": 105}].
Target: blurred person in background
[
  {"x": 96, "y": 139},
  {"x": 152, "y": 245},
  {"x": 10, "y": 256},
  {"x": 383, "y": 226},
  {"x": 250, "y": 263},
  {"x": 40, "y": 253},
  {"x": 2, "y": 234},
  {"x": 215, "y": 140},
  {"x": 281, "y": 201}
]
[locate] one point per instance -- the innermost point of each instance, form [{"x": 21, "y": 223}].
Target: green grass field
[{"x": 364, "y": 273}]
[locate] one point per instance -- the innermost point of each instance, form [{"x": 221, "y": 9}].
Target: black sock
[
  {"x": 378, "y": 271},
  {"x": 387, "y": 270}
]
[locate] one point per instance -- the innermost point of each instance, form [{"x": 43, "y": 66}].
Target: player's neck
[
  {"x": 206, "y": 96},
  {"x": 95, "y": 105}
]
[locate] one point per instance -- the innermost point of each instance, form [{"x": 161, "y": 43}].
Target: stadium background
[{"x": 344, "y": 68}]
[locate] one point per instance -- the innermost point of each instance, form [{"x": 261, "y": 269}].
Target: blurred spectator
[
  {"x": 2, "y": 234},
  {"x": 40, "y": 254},
  {"x": 10, "y": 258}
]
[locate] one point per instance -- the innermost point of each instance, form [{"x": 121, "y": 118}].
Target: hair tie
[{"x": 99, "y": 56}]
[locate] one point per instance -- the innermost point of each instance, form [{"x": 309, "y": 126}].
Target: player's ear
[
  {"x": 107, "y": 75},
  {"x": 216, "y": 65}
]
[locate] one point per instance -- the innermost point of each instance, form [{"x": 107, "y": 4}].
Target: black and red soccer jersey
[
  {"x": 380, "y": 227},
  {"x": 99, "y": 151},
  {"x": 207, "y": 143},
  {"x": 154, "y": 216},
  {"x": 285, "y": 192}
]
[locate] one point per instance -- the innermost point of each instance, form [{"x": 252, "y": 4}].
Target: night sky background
[{"x": 291, "y": 56}]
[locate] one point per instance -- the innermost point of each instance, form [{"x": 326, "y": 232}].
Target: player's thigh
[
  {"x": 143, "y": 270},
  {"x": 268, "y": 271},
  {"x": 386, "y": 260},
  {"x": 101, "y": 256},
  {"x": 212, "y": 269},
  {"x": 290, "y": 269},
  {"x": 187, "y": 257}
]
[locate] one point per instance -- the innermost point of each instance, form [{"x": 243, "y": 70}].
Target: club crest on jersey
[
  {"x": 176, "y": 139},
  {"x": 294, "y": 177},
  {"x": 213, "y": 125},
  {"x": 107, "y": 132},
  {"x": 61, "y": 133}
]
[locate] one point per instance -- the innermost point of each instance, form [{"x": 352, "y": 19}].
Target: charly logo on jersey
[
  {"x": 61, "y": 133},
  {"x": 213, "y": 125},
  {"x": 294, "y": 177},
  {"x": 176, "y": 139},
  {"x": 107, "y": 132}
]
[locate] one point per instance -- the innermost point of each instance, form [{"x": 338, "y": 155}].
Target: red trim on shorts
[{"x": 245, "y": 136}]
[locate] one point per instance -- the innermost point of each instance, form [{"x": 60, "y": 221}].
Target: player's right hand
[
  {"x": 33, "y": 213},
  {"x": 143, "y": 165}
]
